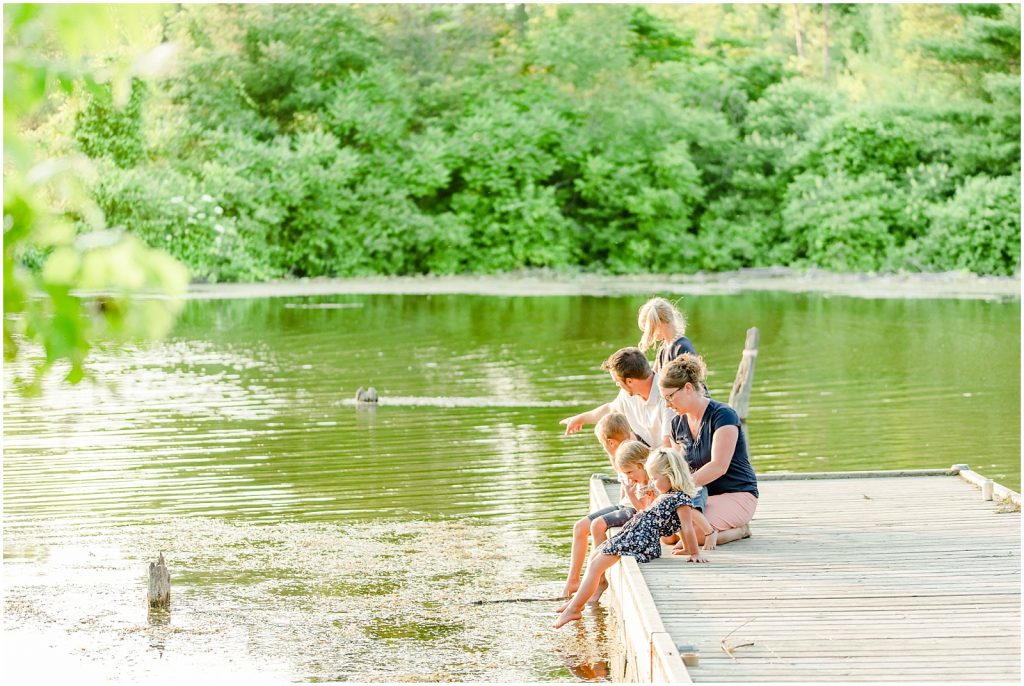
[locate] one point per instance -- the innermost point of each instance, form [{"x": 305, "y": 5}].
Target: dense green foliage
[
  {"x": 309, "y": 140},
  {"x": 71, "y": 282}
]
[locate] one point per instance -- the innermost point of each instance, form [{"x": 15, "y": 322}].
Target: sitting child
[
  {"x": 640, "y": 537},
  {"x": 629, "y": 462},
  {"x": 612, "y": 430},
  {"x": 705, "y": 532}
]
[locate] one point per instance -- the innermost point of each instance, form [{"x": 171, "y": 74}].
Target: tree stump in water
[
  {"x": 159, "y": 584},
  {"x": 366, "y": 396}
]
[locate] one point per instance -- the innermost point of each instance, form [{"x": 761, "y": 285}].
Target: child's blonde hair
[
  {"x": 658, "y": 311},
  {"x": 631, "y": 453},
  {"x": 613, "y": 426},
  {"x": 670, "y": 463}
]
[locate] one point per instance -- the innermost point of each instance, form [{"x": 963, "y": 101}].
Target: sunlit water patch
[{"x": 310, "y": 602}]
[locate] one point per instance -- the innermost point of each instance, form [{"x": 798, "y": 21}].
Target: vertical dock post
[
  {"x": 987, "y": 487},
  {"x": 739, "y": 399},
  {"x": 159, "y": 584}
]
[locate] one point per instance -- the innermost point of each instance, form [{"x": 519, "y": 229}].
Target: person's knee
[
  {"x": 598, "y": 527},
  {"x": 582, "y": 527}
]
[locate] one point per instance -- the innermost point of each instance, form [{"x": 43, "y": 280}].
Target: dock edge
[{"x": 651, "y": 655}]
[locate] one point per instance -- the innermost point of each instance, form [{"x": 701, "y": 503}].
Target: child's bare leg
[
  {"x": 580, "y": 531},
  {"x": 595, "y": 571},
  {"x": 599, "y": 532}
]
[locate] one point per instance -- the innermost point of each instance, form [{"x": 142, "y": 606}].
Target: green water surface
[{"x": 238, "y": 436}]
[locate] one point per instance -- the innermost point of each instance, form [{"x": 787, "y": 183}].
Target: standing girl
[
  {"x": 712, "y": 438},
  {"x": 640, "y": 538},
  {"x": 660, "y": 320}
]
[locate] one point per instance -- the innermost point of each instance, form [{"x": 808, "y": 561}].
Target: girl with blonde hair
[
  {"x": 640, "y": 538},
  {"x": 660, "y": 320},
  {"x": 636, "y": 494}
]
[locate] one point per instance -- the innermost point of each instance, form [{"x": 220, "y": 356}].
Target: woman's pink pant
[{"x": 730, "y": 510}]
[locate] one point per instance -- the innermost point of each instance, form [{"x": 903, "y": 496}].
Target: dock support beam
[{"x": 739, "y": 399}]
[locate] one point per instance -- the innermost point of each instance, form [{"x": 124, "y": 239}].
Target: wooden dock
[{"x": 885, "y": 576}]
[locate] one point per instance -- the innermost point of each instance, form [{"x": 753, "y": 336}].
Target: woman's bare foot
[
  {"x": 730, "y": 535},
  {"x": 601, "y": 587},
  {"x": 570, "y": 614},
  {"x": 570, "y": 588},
  {"x": 711, "y": 540}
]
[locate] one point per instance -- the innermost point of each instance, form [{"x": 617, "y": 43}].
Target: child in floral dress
[
  {"x": 637, "y": 494},
  {"x": 640, "y": 538}
]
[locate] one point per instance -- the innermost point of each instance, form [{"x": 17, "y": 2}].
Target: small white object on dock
[{"x": 689, "y": 653}]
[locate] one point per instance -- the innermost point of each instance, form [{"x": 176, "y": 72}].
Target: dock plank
[{"x": 909, "y": 578}]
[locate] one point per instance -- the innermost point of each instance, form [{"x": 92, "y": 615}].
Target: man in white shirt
[{"x": 649, "y": 417}]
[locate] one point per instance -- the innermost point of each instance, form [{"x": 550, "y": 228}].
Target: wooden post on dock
[
  {"x": 739, "y": 399},
  {"x": 159, "y": 584}
]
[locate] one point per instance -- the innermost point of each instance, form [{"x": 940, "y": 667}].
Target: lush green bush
[
  {"x": 103, "y": 129},
  {"x": 978, "y": 229},
  {"x": 787, "y": 110},
  {"x": 343, "y": 140},
  {"x": 171, "y": 211},
  {"x": 884, "y": 141},
  {"x": 840, "y": 222}
]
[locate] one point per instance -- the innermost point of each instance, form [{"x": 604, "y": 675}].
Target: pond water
[{"x": 311, "y": 540}]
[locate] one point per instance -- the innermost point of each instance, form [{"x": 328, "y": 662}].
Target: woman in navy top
[{"x": 714, "y": 445}]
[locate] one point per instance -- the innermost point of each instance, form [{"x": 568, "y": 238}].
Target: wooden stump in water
[
  {"x": 739, "y": 399},
  {"x": 159, "y": 584},
  {"x": 366, "y": 396}
]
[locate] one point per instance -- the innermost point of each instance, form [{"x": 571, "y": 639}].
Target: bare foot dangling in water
[{"x": 602, "y": 586}]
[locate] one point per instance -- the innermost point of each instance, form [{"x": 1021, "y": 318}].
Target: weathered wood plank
[
  {"x": 867, "y": 474},
  {"x": 158, "y": 589},
  {"x": 739, "y": 398}
]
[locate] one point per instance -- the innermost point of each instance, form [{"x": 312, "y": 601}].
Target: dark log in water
[
  {"x": 516, "y": 600},
  {"x": 159, "y": 584}
]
